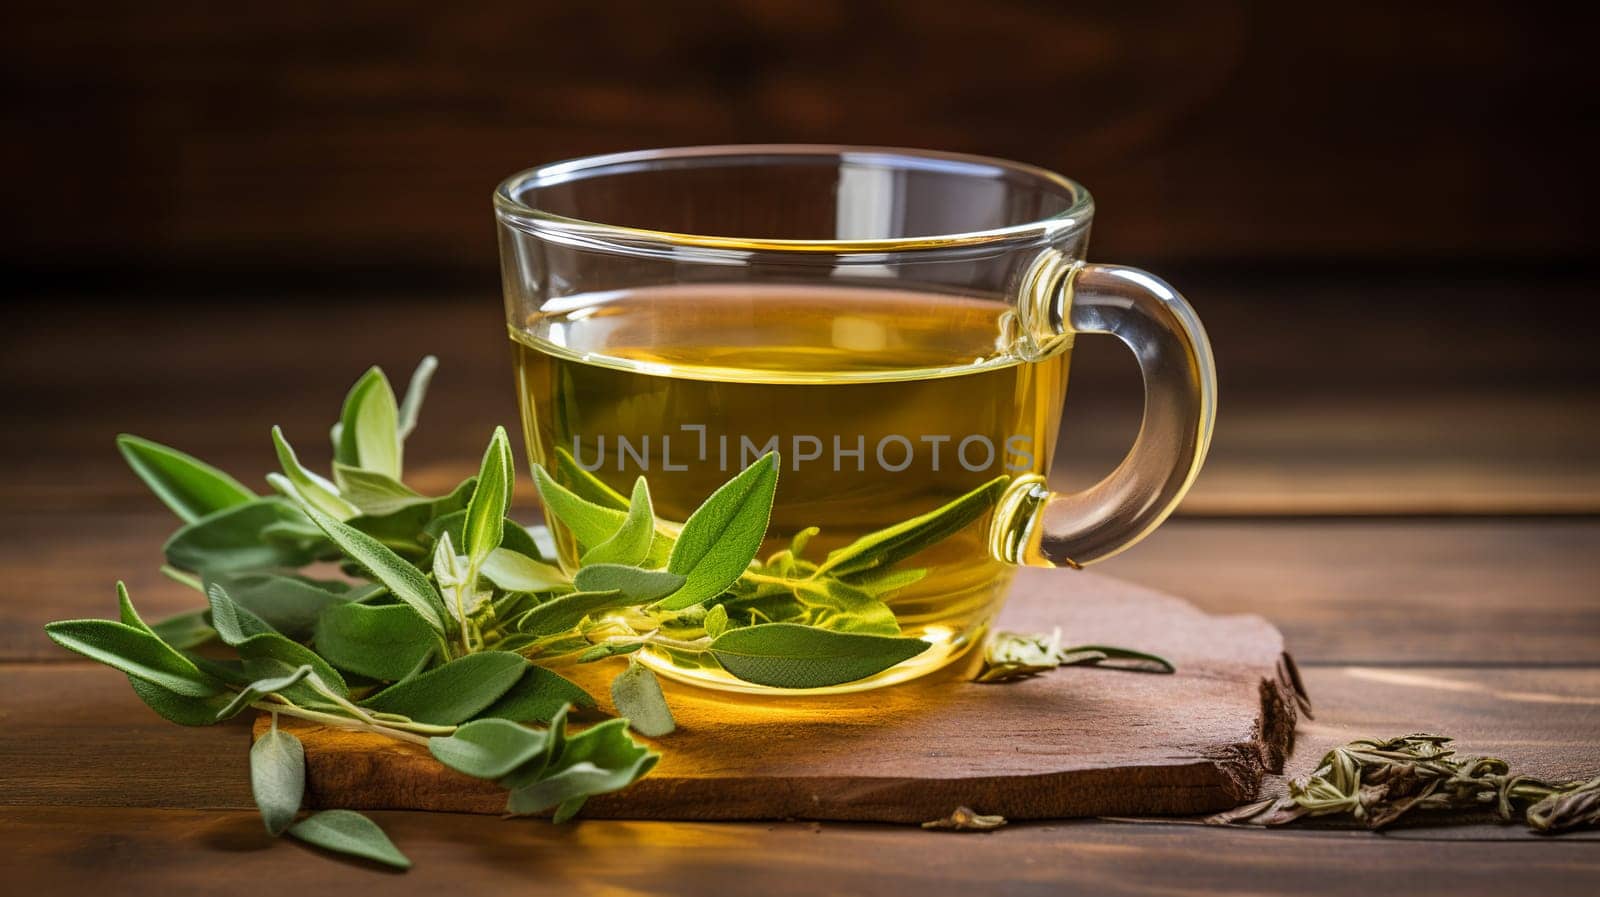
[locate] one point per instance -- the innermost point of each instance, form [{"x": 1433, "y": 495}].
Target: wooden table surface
[{"x": 1411, "y": 496}]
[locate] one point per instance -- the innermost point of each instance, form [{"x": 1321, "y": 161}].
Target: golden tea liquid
[{"x": 883, "y": 405}]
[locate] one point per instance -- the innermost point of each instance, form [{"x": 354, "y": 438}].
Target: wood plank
[
  {"x": 122, "y": 755},
  {"x": 1490, "y": 591},
  {"x": 142, "y": 851},
  {"x": 1391, "y": 592},
  {"x": 1082, "y": 743}
]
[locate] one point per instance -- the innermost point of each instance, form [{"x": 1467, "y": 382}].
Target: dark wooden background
[{"x": 219, "y": 214}]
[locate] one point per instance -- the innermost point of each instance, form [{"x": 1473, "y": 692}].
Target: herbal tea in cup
[{"x": 885, "y": 335}]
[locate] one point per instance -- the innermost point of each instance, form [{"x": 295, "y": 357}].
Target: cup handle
[{"x": 1180, "y": 405}]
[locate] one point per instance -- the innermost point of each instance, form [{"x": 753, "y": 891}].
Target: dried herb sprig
[
  {"x": 1376, "y": 782},
  {"x": 1010, "y": 656}
]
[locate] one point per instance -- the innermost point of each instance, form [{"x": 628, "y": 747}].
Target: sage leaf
[
  {"x": 269, "y": 654},
  {"x": 384, "y": 641},
  {"x": 555, "y": 740},
  {"x": 232, "y": 539},
  {"x": 374, "y": 493},
  {"x": 349, "y": 833},
  {"x": 637, "y": 696},
  {"x": 843, "y": 608},
  {"x": 877, "y": 550},
  {"x": 787, "y": 655},
  {"x": 369, "y": 428},
  {"x": 608, "y": 649},
  {"x": 190, "y": 487},
  {"x": 489, "y": 748},
  {"x": 407, "y": 528},
  {"x": 722, "y": 536},
  {"x": 416, "y": 391},
  {"x": 514, "y": 536},
  {"x": 566, "y": 612},
  {"x": 716, "y": 621},
  {"x": 590, "y": 524},
  {"x": 630, "y": 544},
  {"x": 135, "y": 651},
  {"x": 598, "y": 760},
  {"x": 176, "y": 708},
  {"x": 185, "y": 630},
  {"x": 568, "y": 809},
  {"x": 288, "y": 604},
  {"x": 278, "y": 777},
  {"x": 232, "y": 622},
  {"x": 402, "y": 580},
  {"x": 537, "y": 697},
  {"x": 314, "y": 489},
  {"x": 485, "y": 521},
  {"x": 516, "y": 572},
  {"x": 586, "y": 485},
  {"x": 638, "y": 586},
  {"x": 261, "y": 688},
  {"x": 455, "y": 692}
]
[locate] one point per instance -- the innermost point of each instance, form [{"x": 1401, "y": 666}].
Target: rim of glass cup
[{"x": 1076, "y": 216}]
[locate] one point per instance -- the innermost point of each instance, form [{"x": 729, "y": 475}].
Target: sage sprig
[
  {"x": 1376, "y": 782},
  {"x": 443, "y": 619},
  {"x": 1010, "y": 656}
]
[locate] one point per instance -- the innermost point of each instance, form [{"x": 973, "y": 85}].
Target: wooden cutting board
[{"x": 1074, "y": 742}]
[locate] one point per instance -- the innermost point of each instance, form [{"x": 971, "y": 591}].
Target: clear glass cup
[{"x": 896, "y": 323}]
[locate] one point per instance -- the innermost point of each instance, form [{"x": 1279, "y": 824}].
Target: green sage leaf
[
  {"x": 373, "y": 493},
  {"x": 638, "y": 586},
  {"x": 278, "y": 777},
  {"x": 349, "y": 833},
  {"x": 843, "y": 608},
  {"x": 561, "y": 614},
  {"x": 514, "y": 536},
  {"x": 260, "y": 688},
  {"x": 590, "y": 524},
  {"x": 186, "y": 630},
  {"x": 598, "y": 760},
  {"x": 489, "y": 748},
  {"x": 516, "y": 572},
  {"x": 716, "y": 621},
  {"x": 288, "y": 604},
  {"x": 269, "y": 654},
  {"x": 383, "y": 565},
  {"x": 385, "y": 641},
  {"x": 630, "y": 544},
  {"x": 232, "y": 622},
  {"x": 416, "y": 391},
  {"x": 537, "y": 697},
  {"x": 369, "y": 428},
  {"x": 455, "y": 692},
  {"x": 787, "y": 655},
  {"x": 233, "y": 539},
  {"x": 877, "y": 550},
  {"x": 637, "y": 696},
  {"x": 722, "y": 536},
  {"x": 586, "y": 485},
  {"x": 176, "y": 708},
  {"x": 311, "y": 487},
  {"x": 485, "y": 522},
  {"x": 135, "y": 651},
  {"x": 190, "y": 487}
]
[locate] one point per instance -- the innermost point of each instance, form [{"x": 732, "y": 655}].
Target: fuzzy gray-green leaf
[
  {"x": 878, "y": 550},
  {"x": 134, "y": 651},
  {"x": 189, "y": 486},
  {"x": 313, "y": 488},
  {"x": 590, "y": 524},
  {"x": 384, "y": 641},
  {"x": 416, "y": 391},
  {"x": 485, "y": 522},
  {"x": 234, "y": 538},
  {"x": 369, "y": 428},
  {"x": 514, "y": 571},
  {"x": 722, "y": 536},
  {"x": 787, "y": 655},
  {"x": 489, "y": 748},
  {"x": 453, "y": 693},
  {"x": 638, "y": 586},
  {"x": 277, "y": 777},
  {"x": 630, "y": 544},
  {"x": 637, "y": 696},
  {"x": 349, "y": 833},
  {"x": 403, "y": 580}
]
